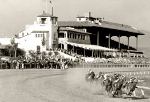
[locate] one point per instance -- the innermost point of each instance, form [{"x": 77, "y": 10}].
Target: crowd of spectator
[
  {"x": 49, "y": 60},
  {"x": 110, "y": 59},
  {"x": 124, "y": 60},
  {"x": 53, "y": 59}
]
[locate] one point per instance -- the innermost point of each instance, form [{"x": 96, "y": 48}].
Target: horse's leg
[
  {"x": 142, "y": 93},
  {"x": 134, "y": 93}
]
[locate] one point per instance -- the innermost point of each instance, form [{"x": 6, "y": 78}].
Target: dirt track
[{"x": 50, "y": 86}]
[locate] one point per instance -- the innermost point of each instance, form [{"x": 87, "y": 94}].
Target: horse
[
  {"x": 117, "y": 86},
  {"x": 129, "y": 87},
  {"x": 90, "y": 77}
]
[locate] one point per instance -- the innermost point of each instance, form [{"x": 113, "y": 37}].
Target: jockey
[
  {"x": 99, "y": 75},
  {"x": 115, "y": 77},
  {"x": 91, "y": 73},
  {"x": 132, "y": 82},
  {"x": 106, "y": 76},
  {"x": 132, "y": 79},
  {"x": 136, "y": 80}
]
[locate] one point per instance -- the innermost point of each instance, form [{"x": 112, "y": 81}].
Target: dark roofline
[
  {"x": 137, "y": 33},
  {"x": 104, "y": 24}
]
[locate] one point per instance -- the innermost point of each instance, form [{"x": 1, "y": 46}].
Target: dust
[{"x": 75, "y": 78}]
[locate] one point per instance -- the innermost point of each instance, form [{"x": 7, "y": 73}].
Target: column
[
  {"x": 98, "y": 38},
  {"x": 137, "y": 42},
  {"x": 128, "y": 42},
  {"x": 84, "y": 52},
  {"x": 61, "y": 46},
  {"x": 109, "y": 38},
  {"x": 73, "y": 49},
  {"x": 119, "y": 42}
]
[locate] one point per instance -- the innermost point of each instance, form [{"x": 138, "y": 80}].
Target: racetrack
[{"x": 51, "y": 86}]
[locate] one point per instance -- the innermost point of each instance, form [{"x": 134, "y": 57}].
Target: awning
[{"x": 91, "y": 47}]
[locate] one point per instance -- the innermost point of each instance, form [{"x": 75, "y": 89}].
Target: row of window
[
  {"x": 39, "y": 35},
  {"x": 76, "y": 36}
]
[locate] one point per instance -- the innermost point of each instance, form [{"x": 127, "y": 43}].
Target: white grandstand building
[
  {"x": 87, "y": 36},
  {"x": 39, "y": 35}
]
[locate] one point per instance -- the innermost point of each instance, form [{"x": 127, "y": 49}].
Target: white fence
[{"x": 101, "y": 65}]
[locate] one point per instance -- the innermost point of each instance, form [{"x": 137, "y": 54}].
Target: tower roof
[{"x": 44, "y": 14}]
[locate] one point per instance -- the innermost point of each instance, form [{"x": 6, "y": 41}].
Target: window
[
  {"x": 67, "y": 35},
  {"x": 43, "y": 20},
  {"x": 75, "y": 36},
  {"x": 78, "y": 36},
  {"x": 38, "y": 49},
  {"x": 61, "y": 35},
  {"x": 83, "y": 37}
]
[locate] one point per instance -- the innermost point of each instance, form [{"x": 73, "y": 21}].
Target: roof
[
  {"x": 44, "y": 14},
  {"x": 39, "y": 31},
  {"x": 103, "y": 24},
  {"x": 91, "y": 47},
  {"x": 74, "y": 30},
  {"x": 75, "y": 24}
]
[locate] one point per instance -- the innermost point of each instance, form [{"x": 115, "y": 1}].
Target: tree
[
  {"x": 43, "y": 41},
  {"x": 12, "y": 41},
  {"x": 43, "y": 54},
  {"x": 14, "y": 47},
  {"x": 32, "y": 54}
]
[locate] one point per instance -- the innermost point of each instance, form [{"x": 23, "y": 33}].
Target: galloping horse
[
  {"x": 90, "y": 77},
  {"x": 117, "y": 86},
  {"x": 130, "y": 86}
]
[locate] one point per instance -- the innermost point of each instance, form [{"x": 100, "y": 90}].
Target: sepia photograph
[{"x": 74, "y": 51}]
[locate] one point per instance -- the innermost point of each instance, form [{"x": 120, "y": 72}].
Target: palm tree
[
  {"x": 14, "y": 47},
  {"x": 43, "y": 41}
]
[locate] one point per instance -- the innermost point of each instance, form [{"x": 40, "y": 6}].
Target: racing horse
[
  {"x": 130, "y": 86},
  {"x": 90, "y": 76},
  {"x": 117, "y": 85}
]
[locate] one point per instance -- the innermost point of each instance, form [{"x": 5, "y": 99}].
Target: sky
[{"x": 15, "y": 14}]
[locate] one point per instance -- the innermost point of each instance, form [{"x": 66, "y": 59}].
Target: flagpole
[{"x": 52, "y": 9}]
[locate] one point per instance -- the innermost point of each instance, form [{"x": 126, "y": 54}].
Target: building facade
[
  {"x": 86, "y": 36},
  {"x": 42, "y": 35}
]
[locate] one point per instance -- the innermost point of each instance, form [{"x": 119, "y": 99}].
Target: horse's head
[{"x": 100, "y": 73}]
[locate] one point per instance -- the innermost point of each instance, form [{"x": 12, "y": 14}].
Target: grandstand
[{"x": 91, "y": 37}]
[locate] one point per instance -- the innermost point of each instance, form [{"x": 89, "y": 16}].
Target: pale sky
[{"x": 15, "y": 14}]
